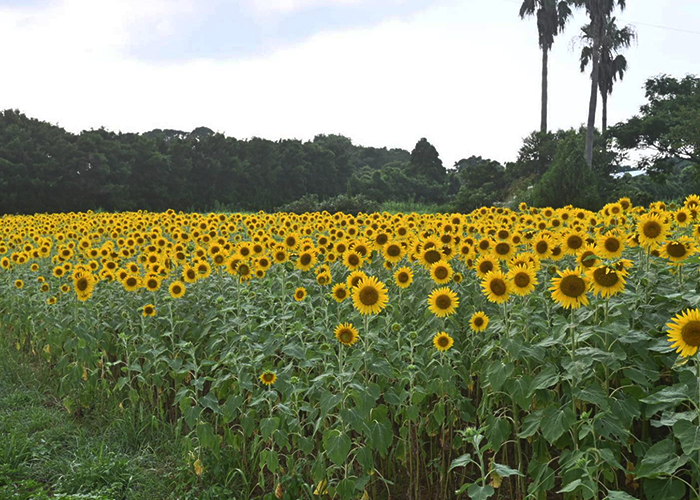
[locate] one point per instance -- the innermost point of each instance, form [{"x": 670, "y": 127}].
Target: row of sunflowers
[{"x": 529, "y": 353}]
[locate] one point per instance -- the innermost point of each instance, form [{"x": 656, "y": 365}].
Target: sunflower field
[{"x": 534, "y": 353}]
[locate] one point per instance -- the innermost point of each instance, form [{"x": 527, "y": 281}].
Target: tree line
[{"x": 44, "y": 168}]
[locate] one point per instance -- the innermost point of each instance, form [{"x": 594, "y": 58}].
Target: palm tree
[
  {"x": 599, "y": 12},
  {"x": 612, "y": 65},
  {"x": 551, "y": 19}
]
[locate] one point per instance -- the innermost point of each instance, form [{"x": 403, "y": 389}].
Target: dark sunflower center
[
  {"x": 152, "y": 283},
  {"x": 382, "y": 238},
  {"x": 268, "y": 377},
  {"x": 177, "y": 289},
  {"x": 346, "y": 336},
  {"x": 605, "y": 277},
  {"x": 369, "y": 296},
  {"x": 502, "y": 248},
  {"x": 574, "y": 242},
  {"x": 572, "y": 286},
  {"x": 587, "y": 260},
  {"x": 676, "y": 249},
  {"x": 340, "y": 293},
  {"x": 443, "y": 341},
  {"x": 131, "y": 281},
  {"x": 651, "y": 229},
  {"x": 149, "y": 310},
  {"x": 403, "y": 277},
  {"x": 443, "y": 302},
  {"x": 356, "y": 281},
  {"x": 432, "y": 256},
  {"x": 305, "y": 259},
  {"x": 393, "y": 251},
  {"x": 497, "y": 287},
  {"x": 486, "y": 266},
  {"x": 691, "y": 333},
  {"x": 353, "y": 260},
  {"x": 542, "y": 247},
  {"x": 441, "y": 273},
  {"x": 483, "y": 245},
  {"x": 521, "y": 280},
  {"x": 681, "y": 217},
  {"x": 82, "y": 284},
  {"x": 478, "y": 321},
  {"x": 243, "y": 269},
  {"x": 190, "y": 274},
  {"x": 612, "y": 244},
  {"x": 556, "y": 251},
  {"x": 503, "y": 234},
  {"x": 279, "y": 256}
]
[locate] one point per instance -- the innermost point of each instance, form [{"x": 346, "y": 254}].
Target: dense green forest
[{"x": 44, "y": 168}]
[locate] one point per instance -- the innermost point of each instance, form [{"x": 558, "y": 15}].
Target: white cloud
[{"x": 462, "y": 75}]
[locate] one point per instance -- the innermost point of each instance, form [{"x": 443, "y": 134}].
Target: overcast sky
[{"x": 463, "y": 73}]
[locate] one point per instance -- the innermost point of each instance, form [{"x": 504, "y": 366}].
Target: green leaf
[
  {"x": 497, "y": 431},
  {"x": 688, "y": 434},
  {"x": 381, "y": 435},
  {"x": 556, "y": 421},
  {"x": 660, "y": 459},
  {"x": 439, "y": 413},
  {"x": 337, "y": 446},
  {"x": 664, "y": 489},
  {"x": 619, "y": 495},
  {"x": 545, "y": 379},
  {"x": 205, "y": 434},
  {"x": 673, "y": 394},
  {"x": 268, "y": 426},
  {"x": 531, "y": 423},
  {"x": 571, "y": 486},
  {"x": 498, "y": 373},
  {"x": 210, "y": 401},
  {"x": 477, "y": 492},
  {"x": 462, "y": 461},
  {"x": 505, "y": 471}
]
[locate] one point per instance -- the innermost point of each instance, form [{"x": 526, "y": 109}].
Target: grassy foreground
[{"x": 46, "y": 453}]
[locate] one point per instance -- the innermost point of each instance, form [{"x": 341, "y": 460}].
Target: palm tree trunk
[
  {"x": 604, "y": 98},
  {"x": 590, "y": 131},
  {"x": 543, "y": 120}
]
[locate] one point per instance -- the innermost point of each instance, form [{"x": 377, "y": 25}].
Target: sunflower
[
  {"x": 485, "y": 264},
  {"x": 441, "y": 272},
  {"x": 607, "y": 281},
  {"x": 651, "y": 230},
  {"x": 403, "y": 277},
  {"x": 570, "y": 288},
  {"x": 19, "y": 284},
  {"x": 442, "y": 341},
  {"x": 684, "y": 332},
  {"x": 300, "y": 294},
  {"x": 352, "y": 260},
  {"x": 457, "y": 278},
  {"x": 587, "y": 258},
  {"x": 678, "y": 250},
  {"x": 429, "y": 256},
  {"x": 346, "y": 334},
  {"x": 443, "y": 302},
  {"x": 503, "y": 250},
  {"x": 610, "y": 245},
  {"x": 496, "y": 287},
  {"x": 523, "y": 279},
  {"x": 149, "y": 310},
  {"x": 323, "y": 279},
  {"x": 84, "y": 285},
  {"x": 542, "y": 245},
  {"x": 340, "y": 292},
  {"x": 573, "y": 242},
  {"x": 177, "y": 289},
  {"x": 479, "y": 321},
  {"x": 354, "y": 278},
  {"x": 189, "y": 274},
  {"x": 152, "y": 283},
  {"x": 393, "y": 252},
  {"x": 370, "y": 296},
  {"x": 306, "y": 260},
  {"x": 268, "y": 378}
]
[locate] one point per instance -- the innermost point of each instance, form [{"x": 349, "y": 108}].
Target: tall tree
[
  {"x": 552, "y": 16},
  {"x": 612, "y": 65},
  {"x": 425, "y": 161},
  {"x": 599, "y": 12}
]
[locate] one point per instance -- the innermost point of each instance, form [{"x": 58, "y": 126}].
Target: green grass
[{"x": 47, "y": 453}]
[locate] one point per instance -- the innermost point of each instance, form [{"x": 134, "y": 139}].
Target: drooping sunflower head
[
  {"x": 443, "y": 302},
  {"x": 370, "y": 296},
  {"x": 570, "y": 288},
  {"x": 442, "y": 341},
  {"x": 496, "y": 287},
  {"x": 268, "y": 378},
  {"x": 403, "y": 277},
  {"x": 346, "y": 333},
  {"x": 479, "y": 321},
  {"x": 684, "y": 332}
]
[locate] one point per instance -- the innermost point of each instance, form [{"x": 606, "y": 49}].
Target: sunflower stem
[{"x": 572, "y": 331}]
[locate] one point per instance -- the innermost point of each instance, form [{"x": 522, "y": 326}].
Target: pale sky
[{"x": 463, "y": 73}]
